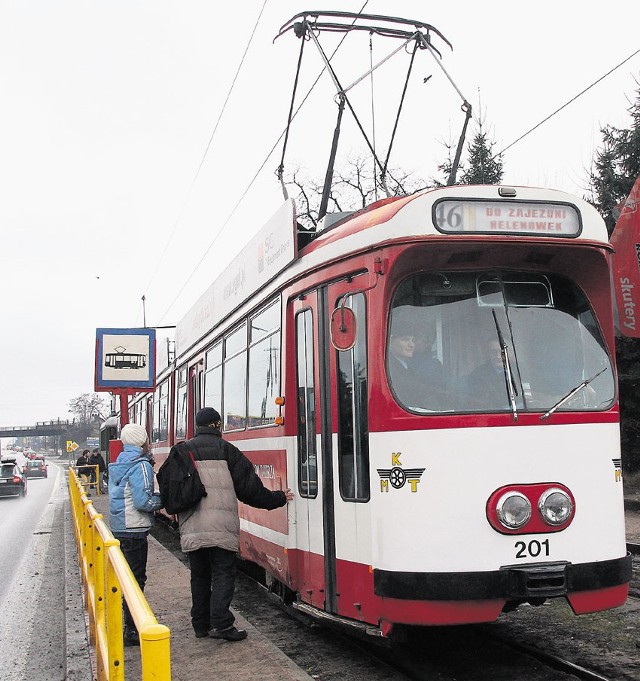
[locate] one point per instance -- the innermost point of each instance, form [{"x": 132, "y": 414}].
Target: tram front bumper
[{"x": 510, "y": 582}]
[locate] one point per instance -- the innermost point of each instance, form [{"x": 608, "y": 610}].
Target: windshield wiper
[
  {"x": 508, "y": 375},
  {"x": 571, "y": 393}
]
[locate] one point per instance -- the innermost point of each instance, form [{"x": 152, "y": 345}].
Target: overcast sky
[{"x": 107, "y": 109}]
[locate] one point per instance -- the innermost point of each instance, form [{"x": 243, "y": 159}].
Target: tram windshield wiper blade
[
  {"x": 571, "y": 393},
  {"x": 508, "y": 375}
]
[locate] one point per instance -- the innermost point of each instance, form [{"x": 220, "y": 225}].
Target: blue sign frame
[{"x": 130, "y": 366}]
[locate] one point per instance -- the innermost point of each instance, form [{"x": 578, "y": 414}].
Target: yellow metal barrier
[{"x": 106, "y": 579}]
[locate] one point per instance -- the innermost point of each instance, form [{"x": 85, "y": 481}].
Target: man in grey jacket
[{"x": 209, "y": 533}]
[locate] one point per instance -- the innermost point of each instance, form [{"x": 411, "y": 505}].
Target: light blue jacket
[{"x": 132, "y": 500}]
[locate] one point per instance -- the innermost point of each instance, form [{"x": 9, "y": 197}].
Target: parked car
[
  {"x": 12, "y": 479},
  {"x": 35, "y": 468}
]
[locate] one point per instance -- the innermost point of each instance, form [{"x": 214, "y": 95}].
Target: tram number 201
[{"x": 533, "y": 549}]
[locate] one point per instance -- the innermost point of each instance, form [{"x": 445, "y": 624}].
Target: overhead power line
[
  {"x": 206, "y": 151},
  {"x": 251, "y": 182},
  {"x": 573, "y": 99}
]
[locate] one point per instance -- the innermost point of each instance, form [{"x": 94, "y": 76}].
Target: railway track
[
  {"x": 491, "y": 656},
  {"x": 558, "y": 663}
]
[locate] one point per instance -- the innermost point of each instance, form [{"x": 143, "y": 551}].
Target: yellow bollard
[{"x": 155, "y": 651}]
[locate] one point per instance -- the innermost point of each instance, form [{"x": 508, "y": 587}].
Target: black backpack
[{"x": 180, "y": 486}]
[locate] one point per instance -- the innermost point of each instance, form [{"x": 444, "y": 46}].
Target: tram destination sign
[
  {"x": 506, "y": 217},
  {"x": 125, "y": 358}
]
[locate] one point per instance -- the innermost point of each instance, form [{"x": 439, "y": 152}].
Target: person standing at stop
[
  {"x": 96, "y": 459},
  {"x": 210, "y": 532},
  {"x": 83, "y": 471},
  {"x": 132, "y": 503}
]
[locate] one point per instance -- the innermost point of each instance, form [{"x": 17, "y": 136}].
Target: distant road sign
[{"x": 72, "y": 446}]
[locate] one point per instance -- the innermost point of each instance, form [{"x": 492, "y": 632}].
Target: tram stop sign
[{"x": 125, "y": 359}]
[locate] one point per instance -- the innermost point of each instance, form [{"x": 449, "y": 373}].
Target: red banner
[{"x": 626, "y": 264}]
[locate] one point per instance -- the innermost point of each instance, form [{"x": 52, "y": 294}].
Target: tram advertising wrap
[{"x": 626, "y": 276}]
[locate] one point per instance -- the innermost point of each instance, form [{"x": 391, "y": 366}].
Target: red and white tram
[{"x": 423, "y": 496}]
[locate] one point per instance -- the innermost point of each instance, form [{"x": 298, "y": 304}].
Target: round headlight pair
[{"x": 514, "y": 508}]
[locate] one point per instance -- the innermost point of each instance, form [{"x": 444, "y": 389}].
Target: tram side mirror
[{"x": 343, "y": 328}]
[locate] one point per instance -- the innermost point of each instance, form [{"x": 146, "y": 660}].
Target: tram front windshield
[{"x": 491, "y": 342}]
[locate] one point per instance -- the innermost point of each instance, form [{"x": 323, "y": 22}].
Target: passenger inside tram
[
  {"x": 415, "y": 374},
  {"x": 427, "y": 367}
]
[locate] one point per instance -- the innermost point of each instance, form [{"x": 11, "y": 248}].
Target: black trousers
[
  {"x": 213, "y": 581},
  {"x": 135, "y": 551}
]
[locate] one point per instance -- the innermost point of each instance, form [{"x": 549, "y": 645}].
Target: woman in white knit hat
[{"x": 132, "y": 502}]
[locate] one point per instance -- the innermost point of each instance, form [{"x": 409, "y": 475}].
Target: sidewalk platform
[{"x": 199, "y": 659}]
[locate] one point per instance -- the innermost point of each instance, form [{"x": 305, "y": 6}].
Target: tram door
[
  {"x": 349, "y": 455},
  {"x": 333, "y": 457},
  {"x": 315, "y": 526}
]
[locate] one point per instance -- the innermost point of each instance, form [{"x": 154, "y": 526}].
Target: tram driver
[{"x": 487, "y": 382}]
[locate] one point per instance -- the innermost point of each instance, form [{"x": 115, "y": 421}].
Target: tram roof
[{"x": 274, "y": 249}]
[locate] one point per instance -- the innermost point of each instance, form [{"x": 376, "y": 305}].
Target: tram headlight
[
  {"x": 513, "y": 510},
  {"x": 555, "y": 506}
]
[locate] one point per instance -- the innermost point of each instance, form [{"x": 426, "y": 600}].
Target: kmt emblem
[{"x": 399, "y": 476}]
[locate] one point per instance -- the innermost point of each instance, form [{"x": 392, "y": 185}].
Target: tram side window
[
  {"x": 353, "y": 425},
  {"x": 161, "y": 412},
  {"x": 235, "y": 379},
  {"x": 137, "y": 413},
  {"x": 264, "y": 367},
  {"x": 213, "y": 378},
  {"x": 142, "y": 412},
  {"x": 181, "y": 404},
  {"x": 307, "y": 455}
]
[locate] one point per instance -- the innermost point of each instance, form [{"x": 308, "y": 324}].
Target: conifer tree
[
  {"x": 615, "y": 169},
  {"x": 616, "y": 166},
  {"x": 483, "y": 165}
]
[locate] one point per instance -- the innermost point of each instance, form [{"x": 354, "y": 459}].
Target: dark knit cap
[{"x": 207, "y": 417}]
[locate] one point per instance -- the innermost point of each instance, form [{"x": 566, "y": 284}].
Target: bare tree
[
  {"x": 88, "y": 410},
  {"x": 353, "y": 188}
]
